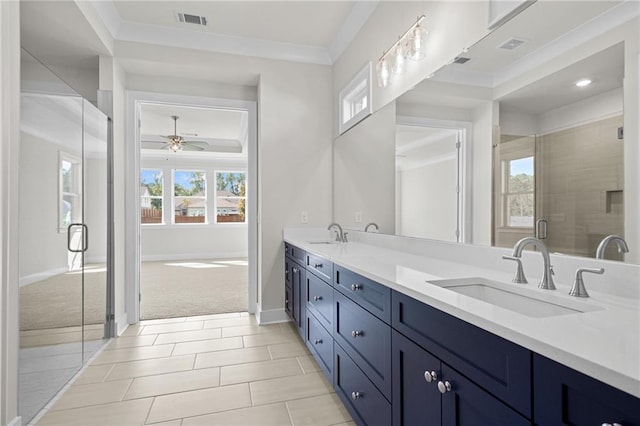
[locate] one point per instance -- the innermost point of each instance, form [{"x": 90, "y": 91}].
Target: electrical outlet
[
  {"x": 304, "y": 217},
  {"x": 358, "y": 217}
]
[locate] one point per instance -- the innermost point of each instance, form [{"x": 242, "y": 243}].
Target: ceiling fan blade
[
  {"x": 200, "y": 144},
  {"x": 153, "y": 144},
  {"x": 189, "y": 147}
]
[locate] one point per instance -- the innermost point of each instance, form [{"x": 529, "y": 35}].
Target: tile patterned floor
[{"x": 211, "y": 370}]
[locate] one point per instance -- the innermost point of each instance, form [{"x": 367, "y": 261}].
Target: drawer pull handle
[
  {"x": 611, "y": 424},
  {"x": 318, "y": 341},
  {"x": 316, "y": 298},
  {"x": 317, "y": 265},
  {"x": 356, "y": 395},
  {"x": 355, "y": 287},
  {"x": 444, "y": 387},
  {"x": 430, "y": 376},
  {"x": 356, "y": 333}
]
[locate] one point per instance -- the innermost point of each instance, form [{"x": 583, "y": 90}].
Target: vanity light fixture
[
  {"x": 410, "y": 45},
  {"x": 583, "y": 83}
]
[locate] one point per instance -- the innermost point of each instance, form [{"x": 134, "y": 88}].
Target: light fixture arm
[
  {"x": 175, "y": 124},
  {"x": 402, "y": 37}
]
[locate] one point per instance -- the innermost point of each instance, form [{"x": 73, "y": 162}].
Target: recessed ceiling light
[{"x": 583, "y": 83}]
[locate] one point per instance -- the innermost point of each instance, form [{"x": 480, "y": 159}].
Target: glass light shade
[
  {"x": 382, "y": 70},
  {"x": 399, "y": 60},
  {"x": 417, "y": 43}
]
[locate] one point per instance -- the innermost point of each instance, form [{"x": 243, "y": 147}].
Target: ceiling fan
[{"x": 177, "y": 143}]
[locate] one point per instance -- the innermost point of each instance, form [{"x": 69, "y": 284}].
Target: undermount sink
[{"x": 521, "y": 300}]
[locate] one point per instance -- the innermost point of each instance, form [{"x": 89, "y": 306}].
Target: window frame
[
  {"x": 506, "y": 193},
  {"x": 161, "y": 197},
  {"x": 77, "y": 183},
  {"x": 356, "y": 90},
  {"x": 215, "y": 197},
  {"x": 204, "y": 197}
]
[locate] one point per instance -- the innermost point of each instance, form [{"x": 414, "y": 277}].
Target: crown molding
[
  {"x": 358, "y": 16},
  {"x": 192, "y": 39}
]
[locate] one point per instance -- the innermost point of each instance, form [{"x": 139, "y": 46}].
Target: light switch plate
[
  {"x": 358, "y": 217},
  {"x": 304, "y": 217}
]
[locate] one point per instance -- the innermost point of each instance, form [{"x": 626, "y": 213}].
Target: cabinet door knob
[
  {"x": 317, "y": 298},
  {"x": 317, "y": 341},
  {"x": 317, "y": 265},
  {"x": 295, "y": 270},
  {"x": 611, "y": 424},
  {"x": 356, "y": 395},
  {"x": 430, "y": 376},
  {"x": 444, "y": 387},
  {"x": 356, "y": 333},
  {"x": 355, "y": 287}
]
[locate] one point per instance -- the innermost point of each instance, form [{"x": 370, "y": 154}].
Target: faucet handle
[
  {"x": 519, "y": 277},
  {"x": 578, "y": 289},
  {"x": 344, "y": 237}
]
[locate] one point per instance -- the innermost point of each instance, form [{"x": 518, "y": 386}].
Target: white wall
[
  {"x": 294, "y": 141},
  {"x": 428, "y": 200},
  {"x": 95, "y": 208},
  {"x": 453, "y": 26},
  {"x": 9, "y": 141},
  {"x": 364, "y": 165},
  {"x": 43, "y": 250},
  {"x": 484, "y": 121}
]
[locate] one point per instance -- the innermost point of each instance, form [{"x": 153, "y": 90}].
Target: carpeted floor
[
  {"x": 194, "y": 287},
  {"x": 169, "y": 289}
]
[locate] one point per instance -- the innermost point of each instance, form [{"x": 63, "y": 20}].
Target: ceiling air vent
[
  {"x": 512, "y": 44},
  {"x": 461, "y": 60},
  {"x": 186, "y": 18}
]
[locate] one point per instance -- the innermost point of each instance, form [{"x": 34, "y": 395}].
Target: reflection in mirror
[
  {"x": 522, "y": 112},
  {"x": 573, "y": 197}
]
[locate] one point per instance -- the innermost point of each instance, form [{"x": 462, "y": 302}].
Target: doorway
[{"x": 196, "y": 201}]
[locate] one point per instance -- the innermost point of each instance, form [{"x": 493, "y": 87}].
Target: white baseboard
[
  {"x": 15, "y": 422},
  {"x": 194, "y": 256},
  {"x": 271, "y": 316},
  {"x": 121, "y": 324},
  {"x": 34, "y": 278}
]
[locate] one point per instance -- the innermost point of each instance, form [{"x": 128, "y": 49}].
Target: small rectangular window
[
  {"x": 231, "y": 201},
  {"x": 355, "y": 99},
  {"x": 69, "y": 191},
  {"x": 189, "y": 196},
  {"x": 151, "y": 192},
  {"x": 518, "y": 189}
]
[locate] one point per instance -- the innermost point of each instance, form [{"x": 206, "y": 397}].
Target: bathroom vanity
[{"x": 410, "y": 339}]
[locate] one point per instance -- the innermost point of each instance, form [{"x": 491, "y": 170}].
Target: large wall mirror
[{"x": 501, "y": 143}]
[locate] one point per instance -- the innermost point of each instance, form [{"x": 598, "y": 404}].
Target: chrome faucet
[
  {"x": 578, "y": 289},
  {"x": 622, "y": 245},
  {"x": 546, "y": 282},
  {"x": 366, "y": 228},
  {"x": 340, "y": 236}
]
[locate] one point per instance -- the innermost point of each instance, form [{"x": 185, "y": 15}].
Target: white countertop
[{"x": 604, "y": 343}]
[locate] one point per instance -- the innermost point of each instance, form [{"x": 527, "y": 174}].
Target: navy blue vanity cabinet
[
  {"x": 366, "y": 339},
  {"x": 500, "y": 367},
  {"x": 563, "y": 396},
  {"x": 426, "y": 391},
  {"x": 363, "y": 400},
  {"x": 320, "y": 266},
  {"x": 320, "y": 342},
  {"x": 295, "y": 286},
  {"x": 373, "y": 296},
  {"x": 320, "y": 300}
]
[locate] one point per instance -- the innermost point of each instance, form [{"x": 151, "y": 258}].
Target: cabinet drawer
[
  {"x": 320, "y": 300},
  {"x": 365, "y": 403},
  {"x": 366, "y": 339},
  {"x": 369, "y": 294},
  {"x": 500, "y": 366},
  {"x": 320, "y": 266},
  {"x": 294, "y": 252},
  {"x": 565, "y": 396},
  {"x": 288, "y": 300},
  {"x": 320, "y": 342}
]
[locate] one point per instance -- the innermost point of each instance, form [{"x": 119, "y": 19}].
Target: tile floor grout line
[{"x": 146, "y": 418}]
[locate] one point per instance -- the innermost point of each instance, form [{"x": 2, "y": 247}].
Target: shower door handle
[
  {"x": 542, "y": 229},
  {"x": 85, "y": 238}
]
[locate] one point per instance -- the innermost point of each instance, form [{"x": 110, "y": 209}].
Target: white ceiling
[{"x": 223, "y": 130}]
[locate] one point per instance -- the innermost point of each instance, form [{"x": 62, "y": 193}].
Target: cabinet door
[
  {"x": 298, "y": 285},
  {"x": 415, "y": 373},
  {"x": 466, "y": 404},
  {"x": 566, "y": 397}
]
